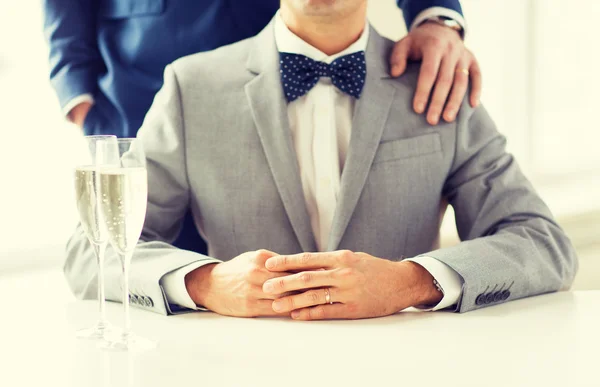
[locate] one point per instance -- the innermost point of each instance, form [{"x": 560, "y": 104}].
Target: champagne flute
[
  {"x": 102, "y": 151},
  {"x": 124, "y": 192}
]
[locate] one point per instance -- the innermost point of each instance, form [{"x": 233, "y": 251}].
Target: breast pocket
[
  {"x": 408, "y": 147},
  {"x": 123, "y": 9}
]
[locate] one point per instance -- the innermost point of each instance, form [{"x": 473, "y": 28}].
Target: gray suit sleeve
[
  {"x": 162, "y": 135},
  {"x": 510, "y": 239}
]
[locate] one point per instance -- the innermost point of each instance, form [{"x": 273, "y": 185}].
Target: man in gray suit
[{"x": 311, "y": 179}]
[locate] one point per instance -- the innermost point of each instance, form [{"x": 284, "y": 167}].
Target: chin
[
  {"x": 319, "y": 7},
  {"x": 325, "y": 8}
]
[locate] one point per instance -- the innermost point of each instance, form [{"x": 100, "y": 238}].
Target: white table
[{"x": 551, "y": 340}]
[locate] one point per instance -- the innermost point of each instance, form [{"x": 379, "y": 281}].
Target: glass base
[
  {"x": 97, "y": 332},
  {"x": 123, "y": 343}
]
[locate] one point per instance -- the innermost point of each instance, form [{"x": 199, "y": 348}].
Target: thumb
[{"x": 399, "y": 58}]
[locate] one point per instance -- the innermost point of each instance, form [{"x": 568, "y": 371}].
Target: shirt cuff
[
  {"x": 448, "y": 279},
  {"x": 76, "y": 101},
  {"x": 439, "y": 11},
  {"x": 173, "y": 284}
]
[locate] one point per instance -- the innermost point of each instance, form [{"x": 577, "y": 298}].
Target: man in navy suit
[{"x": 107, "y": 56}]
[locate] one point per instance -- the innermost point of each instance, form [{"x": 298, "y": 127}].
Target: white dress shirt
[
  {"x": 320, "y": 122},
  {"x": 321, "y": 125}
]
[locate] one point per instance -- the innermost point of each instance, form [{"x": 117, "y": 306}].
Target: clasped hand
[{"x": 262, "y": 283}]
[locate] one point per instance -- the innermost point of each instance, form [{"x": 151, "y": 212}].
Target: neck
[{"x": 330, "y": 35}]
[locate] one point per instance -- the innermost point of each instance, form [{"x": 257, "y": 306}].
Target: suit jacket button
[
  {"x": 149, "y": 302},
  {"x": 505, "y": 295},
  {"x": 498, "y": 296},
  {"x": 480, "y": 300}
]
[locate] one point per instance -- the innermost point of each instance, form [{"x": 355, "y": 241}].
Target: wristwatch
[{"x": 447, "y": 22}]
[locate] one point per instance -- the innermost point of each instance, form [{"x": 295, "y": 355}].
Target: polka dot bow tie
[{"x": 299, "y": 74}]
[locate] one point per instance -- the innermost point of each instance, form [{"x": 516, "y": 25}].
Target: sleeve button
[
  {"x": 480, "y": 300},
  {"x": 498, "y": 296}
]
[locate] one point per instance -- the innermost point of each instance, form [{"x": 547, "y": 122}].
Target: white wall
[
  {"x": 539, "y": 60},
  {"x": 37, "y": 146}
]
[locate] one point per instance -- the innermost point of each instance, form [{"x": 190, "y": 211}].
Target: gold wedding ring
[
  {"x": 327, "y": 297},
  {"x": 464, "y": 71}
]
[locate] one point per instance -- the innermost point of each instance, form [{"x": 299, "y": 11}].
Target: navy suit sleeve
[
  {"x": 75, "y": 62},
  {"x": 412, "y": 8}
]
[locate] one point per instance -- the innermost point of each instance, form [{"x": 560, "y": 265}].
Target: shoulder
[
  {"x": 220, "y": 66},
  {"x": 380, "y": 51},
  {"x": 410, "y": 78}
]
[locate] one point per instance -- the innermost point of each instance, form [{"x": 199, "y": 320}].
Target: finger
[
  {"x": 399, "y": 58},
  {"x": 260, "y": 256},
  {"x": 322, "y": 312},
  {"x": 306, "y": 299},
  {"x": 300, "y": 281},
  {"x": 304, "y": 261},
  {"x": 427, "y": 76},
  {"x": 476, "y": 83},
  {"x": 442, "y": 89},
  {"x": 265, "y": 308},
  {"x": 459, "y": 89},
  {"x": 258, "y": 275},
  {"x": 258, "y": 293}
]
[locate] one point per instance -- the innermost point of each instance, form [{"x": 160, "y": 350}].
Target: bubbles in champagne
[
  {"x": 124, "y": 197},
  {"x": 86, "y": 196}
]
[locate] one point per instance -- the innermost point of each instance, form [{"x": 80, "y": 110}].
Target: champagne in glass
[
  {"x": 88, "y": 204},
  {"x": 125, "y": 193},
  {"x": 103, "y": 151},
  {"x": 124, "y": 197}
]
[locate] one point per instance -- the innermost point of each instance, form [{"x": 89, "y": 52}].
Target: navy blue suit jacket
[{"x": 116, "y": 50}]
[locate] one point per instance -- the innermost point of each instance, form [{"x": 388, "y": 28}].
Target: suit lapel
[
  {"x": 370, "y": 117},
  {"x": 269, "y": 110}
]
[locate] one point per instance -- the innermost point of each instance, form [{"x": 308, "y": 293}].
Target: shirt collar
[{"x": 289, "y": 42}]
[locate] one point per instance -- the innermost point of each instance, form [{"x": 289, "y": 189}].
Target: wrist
[
  {"x": 445, "y": 23},
  {"x": 197, "y": 283},
  {"x": 78, "y": 114},
  {"x": 423, "y": 290}
]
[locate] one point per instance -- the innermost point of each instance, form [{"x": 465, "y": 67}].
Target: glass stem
[
  {"x": 126, "y": 262},
  {"x": 100, "y": 250}
]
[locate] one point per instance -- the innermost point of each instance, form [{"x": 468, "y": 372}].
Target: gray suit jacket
[{"x": 218, "y": 140}]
